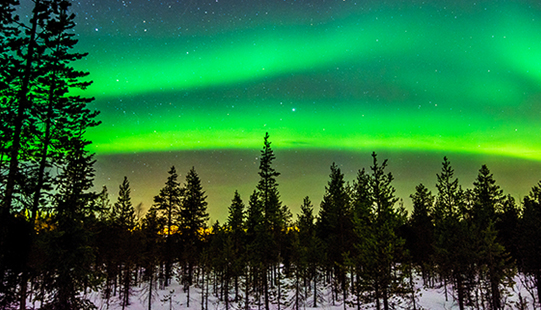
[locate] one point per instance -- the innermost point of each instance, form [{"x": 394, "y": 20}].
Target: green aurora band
[
  {"x": 198, "y": 83},
  {"x": 396, "y": 78}
]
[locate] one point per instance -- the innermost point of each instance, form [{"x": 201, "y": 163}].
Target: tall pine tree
[
  {"x": 453, "y": 243},
  {"x": 193, "y": 222},
  {"x": 334, "y": 226},
  {"x": 275, "y": 215},
  {"x": 235, "y": 222},
  {"x": 421, "y": 224},
  {"x": 167, "y": 206},
  {"x": 530, "y": 245}
]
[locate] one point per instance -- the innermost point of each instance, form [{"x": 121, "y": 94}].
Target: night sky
[{"x": 198, "y": 83}]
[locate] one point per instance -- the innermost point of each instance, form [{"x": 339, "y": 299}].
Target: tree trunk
[
  {"x": 150, "y": 290},
  {"x": 202, "y": 289},
  {"x": 247, "y": 290},
  {"x": 412, "y": 285},
  {"x": 538, "y": 285},
  {"x": 23, "y": 290},
  {"x": 126, "y": 290},
  {"x": 297, "y": 280},
  {"x": 496, "y": 296},
  {"x": 187, "y": 297},
  {"x": 236, "y": 288},
  {"x": 344, "y": 291},
  {"x": 376, "y": 291},
  {"x": 278, "y": 279},
  {"x": 266, "y": 288},
  {"x": 460, "y": 292},
  {"x": 226, "y": 290},
  {"x": 385, "y": 299},
  {"x": 315, "y": 290}
]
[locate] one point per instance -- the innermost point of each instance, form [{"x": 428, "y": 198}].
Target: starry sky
[{"x": 199, "y": 82}]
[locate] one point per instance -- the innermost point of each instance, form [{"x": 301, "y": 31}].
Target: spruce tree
[
  {"x": 193, "y": 220},
  {"x": 152, "y": 225},
  {"x": 124, "y": 222},
  {"x": 334, "y": 226},
  {"x": 275, "y": 215},
  {"x": 19, "y": 67},
  {"x": 363, "y": 219},
  {"x": 256, "y": 244},
  {"x": 453, "y": 237},
  {"x": 69, "y": 252},
  {"x": 508, "y": 227},
  {"x": 235, "y": 223},
  {"x": 309, "y": 251},
  {"x": 167, "y": 205},
  {"x": 43, "y": 114},
  {"x": 488, "y": 198},
  {"x": 56, "y": 114},
  {"x": 389, "y": 249},
  {"x": 530, "y": 244},
  {"x": 493, "y": 256},
  {"x": 123, "y": 212},
  {"x": 421, "y": 243}
]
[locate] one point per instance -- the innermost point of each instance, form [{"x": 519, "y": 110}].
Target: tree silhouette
[
  {"x": 275, "y": 217},
  {"x": 235, "y": 224},
  {"x": 70, "y": 254},
  {"x": 334, "y": 226},
  {"x": 167, "y": 206},
  {"x": 193, "y": 222},
  {"x": 454, "y": 248},
  {"x": 421, "y": 242},
  {"x": 531, "y": 236}
]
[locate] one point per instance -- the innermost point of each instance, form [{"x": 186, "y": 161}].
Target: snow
[{"x": 173, "y": 297}]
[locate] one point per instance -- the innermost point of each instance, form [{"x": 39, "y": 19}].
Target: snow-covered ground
[{"x": 173, "y": 297}]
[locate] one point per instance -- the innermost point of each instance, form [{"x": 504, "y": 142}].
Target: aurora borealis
[{"x": 198, "y": 83}]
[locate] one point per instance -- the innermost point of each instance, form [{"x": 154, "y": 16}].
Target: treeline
[{"x": 361, "y": 249}]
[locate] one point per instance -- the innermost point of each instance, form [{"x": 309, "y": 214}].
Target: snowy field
[{"x": 173, "y": 297}]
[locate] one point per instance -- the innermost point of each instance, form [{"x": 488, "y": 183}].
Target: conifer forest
[{"x": 61, "y": 239}]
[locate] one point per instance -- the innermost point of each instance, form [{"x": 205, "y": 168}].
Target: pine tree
[
  {"x": 9, "y": 66},
  {"x": 530, "y": 244},
  {"x": 421, "y": 242},
  {"x": 124, "y": 222},
  {"x": 15, "y": 232},
  {"x": 193, "y": 220},
  {"x": 20, "y": 70},
  {"x": 508, "y": 227},
  {"x": 307, "y": 247},
  {"x": 43, "y": 114},
  {"x": 70, "y": 255},
  {"x": 152, "y": 225},
  {"x": 334, "y": 226},
  {"x": 56, "y": 114},
  {"x": 167, "y": 205},
  {"x": 235, "y": 223},
  {"x": 453, "y": 238},
  {"x": 448, "y": 198},
  {"x": 256, "y": 243},
  {"x": 389, "y": 249},
  {"x": 488, "y": 199},
  {"x": 267, "y": 186},
  {"x": 123, "y": 212},
  {"x": 275, "y": 215},
  {"x": 363, "y": 219}
]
